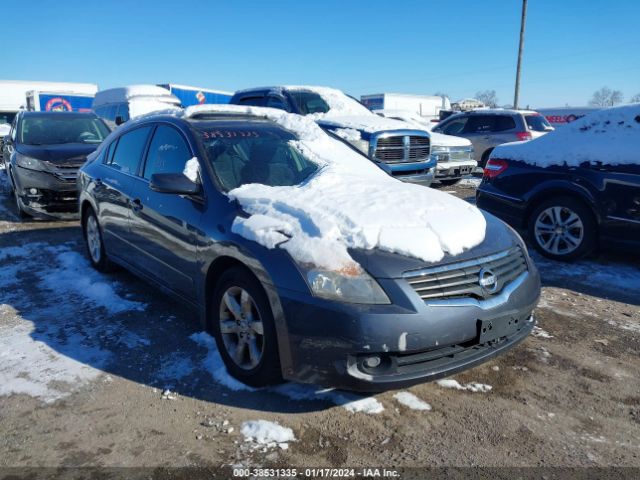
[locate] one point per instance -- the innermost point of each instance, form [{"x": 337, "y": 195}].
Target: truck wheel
[
  {"x": 563, "y": 228},
  {"x": 93, "y": 241},
  {"x": 244, "y": 329}
]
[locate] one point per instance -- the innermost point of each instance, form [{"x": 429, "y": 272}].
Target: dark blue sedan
[{"x": 154, "y": 199}]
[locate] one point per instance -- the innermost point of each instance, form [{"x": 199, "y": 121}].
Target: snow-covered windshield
[
  {"x": 309, "y": 102},
  {"x": 55, "y": 129},
  {"x": 244, "y": 155}
]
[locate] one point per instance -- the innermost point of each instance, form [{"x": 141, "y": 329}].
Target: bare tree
[
  {"x": 635, "y": 98},
  {"x": 605, "y": 97},
  {"x": 488, "y": 97}
]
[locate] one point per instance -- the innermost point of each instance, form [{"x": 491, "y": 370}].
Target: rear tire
[
  {"x": 563, "y": 228},
  {"x": 94, "y": 244},
  {"x": 243, "y": 326}
]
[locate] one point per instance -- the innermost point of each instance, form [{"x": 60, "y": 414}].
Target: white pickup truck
[{"x": 454, "y": 155}]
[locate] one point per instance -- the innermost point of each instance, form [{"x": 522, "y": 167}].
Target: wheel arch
[
  {"x": 225, "y": 262},
  {"x": 555, "y": 191}
]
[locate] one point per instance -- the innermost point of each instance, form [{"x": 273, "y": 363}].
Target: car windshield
[
  {"x": 6, "y": 117},
  {"x": 309, "y": 102},
  {"x": 241, "y": 156},
  {"x": 538, "y": 123},
  {"x": 54, "y": 129}
]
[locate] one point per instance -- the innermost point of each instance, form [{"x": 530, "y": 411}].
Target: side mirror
[
  {"x": 175, "y": 183},
  {"x": 119, "y": 120}
]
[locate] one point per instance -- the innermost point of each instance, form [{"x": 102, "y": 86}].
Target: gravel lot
[{"x": 105, "y": 371}]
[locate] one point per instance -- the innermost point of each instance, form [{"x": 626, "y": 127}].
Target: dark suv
[
  {"x": 43, "y": 153},
  {"x": 160, "y": 198}
]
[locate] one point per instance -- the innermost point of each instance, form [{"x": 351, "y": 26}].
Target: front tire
[
  {"x": 563, "y": 228},
  {"x": 243, "y": 325},
  {"x": 93, "y": 242},
  {"x": 22, "y": 213}
]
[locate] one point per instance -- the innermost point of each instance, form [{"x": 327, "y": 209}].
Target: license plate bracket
[{"x": 495, "y": 328}]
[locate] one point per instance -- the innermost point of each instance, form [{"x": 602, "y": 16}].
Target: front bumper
[
  {"x": 329, "y": 342},
  {"x": 53, "y": 196},
  {"x": 455, "y": 170},
  {"x": 425, "y": 178}
]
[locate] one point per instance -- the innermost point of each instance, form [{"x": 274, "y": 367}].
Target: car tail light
[
  {"x": 494, "y": 167},
  {"x": 523, "y": 136}
]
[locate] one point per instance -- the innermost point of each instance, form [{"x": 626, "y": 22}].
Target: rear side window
[
  {"x": 128, "y": 150},
  {"x": 168, "y": 152},
  {"x": 537, "y": 123},
  {"x": 253, "y": 101},
  {"x": 480, "y": 124},
  {"x": 277, "y": 102},
  {"x": 455, "y": 126},
  {"x": 503, "y": 123}
]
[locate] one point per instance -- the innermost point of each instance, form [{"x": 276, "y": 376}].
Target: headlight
[
  {"x": 362, "y": 145},
  {"x": 440, "y": 153},
  {"x": 358, "y": 288},
  {"x": 30, "y": 163}
]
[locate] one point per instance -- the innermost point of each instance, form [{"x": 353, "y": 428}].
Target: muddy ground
[{"x": 106, "y": 371}]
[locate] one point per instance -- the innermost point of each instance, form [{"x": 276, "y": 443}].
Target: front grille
[
  {"x": 67, "y": 173},
  {"x": 402, "y": 148},
  {"x": 462, "y": 279}
]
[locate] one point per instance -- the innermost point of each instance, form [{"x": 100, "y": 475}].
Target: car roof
[{"x": 495, "y": 111}]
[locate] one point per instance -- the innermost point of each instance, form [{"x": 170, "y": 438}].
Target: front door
[{"x": 164, "y": 226}]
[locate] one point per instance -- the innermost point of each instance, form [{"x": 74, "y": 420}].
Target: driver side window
[
  {"x": 455, "y": 127},
  {"x": 168, "y": 152}
]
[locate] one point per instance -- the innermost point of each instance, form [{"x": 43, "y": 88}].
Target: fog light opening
[
  {"x": 372, "y": 362},
  {"x": 33, "y": 191}
]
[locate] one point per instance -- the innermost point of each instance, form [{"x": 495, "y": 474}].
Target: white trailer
[
  {"x": 427, "y": 106},
  {"x": 13, "y": 94}
]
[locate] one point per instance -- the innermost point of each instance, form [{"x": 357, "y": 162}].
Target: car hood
[
  {"x": 366, "y": 124},
  {"x": 442, "y": 140},
  {"x": 63, "y": 153},
  {"x": 383, "y": 264}
]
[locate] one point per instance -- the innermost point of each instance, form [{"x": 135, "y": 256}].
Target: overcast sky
[{"x": 571, "y": 49}]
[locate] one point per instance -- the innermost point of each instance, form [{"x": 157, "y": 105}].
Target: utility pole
[{"x": 519, "y": 68}]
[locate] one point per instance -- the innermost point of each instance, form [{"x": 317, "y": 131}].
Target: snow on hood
[
  {"x": 610, "y": 136},
  {"x": 440, "y": 139},
  {"x": 349, "y": 203}
]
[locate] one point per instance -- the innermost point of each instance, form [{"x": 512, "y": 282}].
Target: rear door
[
  {"x": 622, "y": 199},
  {"x": 112, "y": 190},
  {"x": 164, "y": 226},
  {"x": 479, "y": 130}
]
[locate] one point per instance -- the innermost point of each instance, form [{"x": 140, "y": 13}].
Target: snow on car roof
[
  {"x": 348, "y": 203},
  {"x": 610, "y": 136},
  {"x": 129, "y": 92}
]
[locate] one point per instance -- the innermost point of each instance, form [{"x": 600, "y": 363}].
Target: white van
[{"x": 117, "y": 105}]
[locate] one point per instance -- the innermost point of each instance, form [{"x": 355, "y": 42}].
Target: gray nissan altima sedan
[{"x": 147, "y": 206}]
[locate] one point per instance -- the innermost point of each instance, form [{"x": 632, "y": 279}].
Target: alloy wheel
[
  {"x": 559, "y": 230},
  {"x": 93, "y": 239},
  {"x": 241, "y": 328}
]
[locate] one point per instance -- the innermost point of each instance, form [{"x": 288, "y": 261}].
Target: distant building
[{"x": 467, "y": 104}]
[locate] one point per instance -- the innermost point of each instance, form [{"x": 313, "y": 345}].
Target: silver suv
[{"x": 487, "y": 129}]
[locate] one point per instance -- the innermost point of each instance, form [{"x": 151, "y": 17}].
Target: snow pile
[
  {"x": 31, "y": 364},
  {"x": 214, "y": 364},
  {"x": 192, "y": 169},
  {"x": 610, "y": 136},
  {"x": 349, "y": 203},
  {"x": 411, "y": 401},
  {"x": 471, "y": 387},
  {"x": 73, "y": 274},
  {"x": 269, "y": 434},
  {"x": 540, "y": 333}
]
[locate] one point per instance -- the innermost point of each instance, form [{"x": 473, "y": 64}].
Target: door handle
[{"x": 136, "y": 205}]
